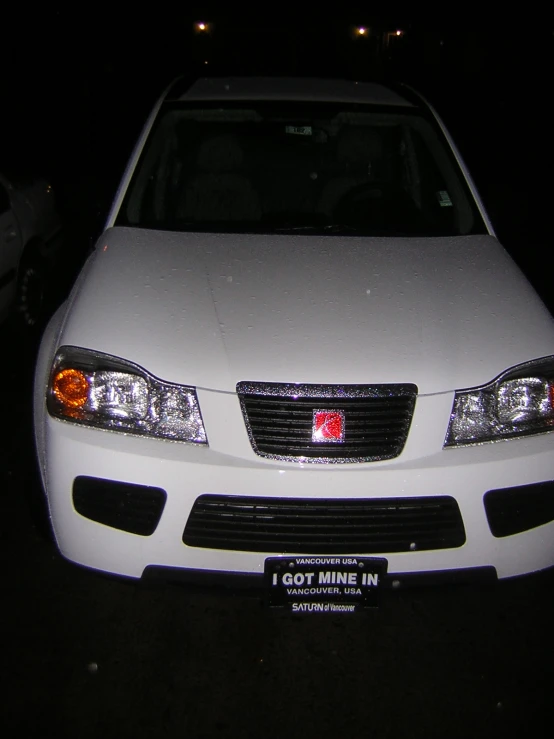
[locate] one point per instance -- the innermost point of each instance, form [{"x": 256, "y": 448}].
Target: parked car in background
[
  {"x": 30, "y": 237},
  {"x": 298, "y": 358}
]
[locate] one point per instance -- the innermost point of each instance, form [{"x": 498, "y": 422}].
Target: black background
[{"x": 77, "y": 85}]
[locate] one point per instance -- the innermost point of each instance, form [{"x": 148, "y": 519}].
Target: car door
[{"x": 10, "y": 249}]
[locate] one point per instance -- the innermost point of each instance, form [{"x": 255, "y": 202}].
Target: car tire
[{"x": 30, "y": 301}]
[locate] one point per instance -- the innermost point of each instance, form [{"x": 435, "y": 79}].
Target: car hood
[{"x": 211, "y": 310}]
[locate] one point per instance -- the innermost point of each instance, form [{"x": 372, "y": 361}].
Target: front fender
[{"x": 45, "y": 357}]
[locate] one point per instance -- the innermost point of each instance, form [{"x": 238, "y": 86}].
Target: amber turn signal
[{"x": 70, "y": 386}]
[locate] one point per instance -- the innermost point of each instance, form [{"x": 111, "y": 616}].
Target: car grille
[
  {"x": 121, "y": 505},
  {"x": 279, "y": 419},
  {"x": 308, "y": 526}
]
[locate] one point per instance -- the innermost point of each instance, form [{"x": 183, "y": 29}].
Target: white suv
[{"x": 298, "y": 358}]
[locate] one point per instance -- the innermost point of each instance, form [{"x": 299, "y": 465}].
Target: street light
[
  {"x": 361, "y": 31},
  {"x": 201, "y": 27}
]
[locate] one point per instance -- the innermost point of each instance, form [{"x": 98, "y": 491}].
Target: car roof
[{"x": 283, "y": 88}]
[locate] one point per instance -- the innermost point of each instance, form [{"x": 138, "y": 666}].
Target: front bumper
[{"x": 230, "y": 467}]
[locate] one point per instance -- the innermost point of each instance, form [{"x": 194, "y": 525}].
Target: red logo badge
[{"x": 328, "y": 426}]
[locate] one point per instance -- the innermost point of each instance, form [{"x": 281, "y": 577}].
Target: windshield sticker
[
  {"x": 444, "y": 199},
  {"x": 300, "y": 130}
]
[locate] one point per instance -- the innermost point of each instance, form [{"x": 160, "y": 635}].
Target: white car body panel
[
  {"x": 229, "y": 466},
  {"x": 301, "y": 89}
]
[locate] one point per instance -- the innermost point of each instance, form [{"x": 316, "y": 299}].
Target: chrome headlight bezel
[
  {"x": 519, "y": 402},
  {"x": 122, "y": 396}
]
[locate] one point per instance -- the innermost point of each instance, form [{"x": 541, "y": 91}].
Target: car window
[
  {"x": 278, "y": 167},
  {"x": 4, "y": 200}
]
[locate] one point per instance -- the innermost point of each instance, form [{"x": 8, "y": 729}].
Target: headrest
[{"x": 220, "y": 154}]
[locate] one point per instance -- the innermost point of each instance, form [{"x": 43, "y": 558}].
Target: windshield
[{"x": 279, "y": 167}]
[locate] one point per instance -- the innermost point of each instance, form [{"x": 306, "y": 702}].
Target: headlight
[
  {"x": 98, "y": 390},
  {"x": 518, "y": 403}
]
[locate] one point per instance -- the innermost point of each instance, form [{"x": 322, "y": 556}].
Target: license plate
[{"x": 324, "y": 584}]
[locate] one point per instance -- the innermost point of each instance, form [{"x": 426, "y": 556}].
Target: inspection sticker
[{"x": 300, "y": 130}]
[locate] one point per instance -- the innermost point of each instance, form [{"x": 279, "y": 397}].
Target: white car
[
  {"x": 298, "y": 358},
  {"x": 29, "y": 239}
]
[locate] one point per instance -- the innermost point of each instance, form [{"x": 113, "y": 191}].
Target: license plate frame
[{"x": 323, "y": 583}]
